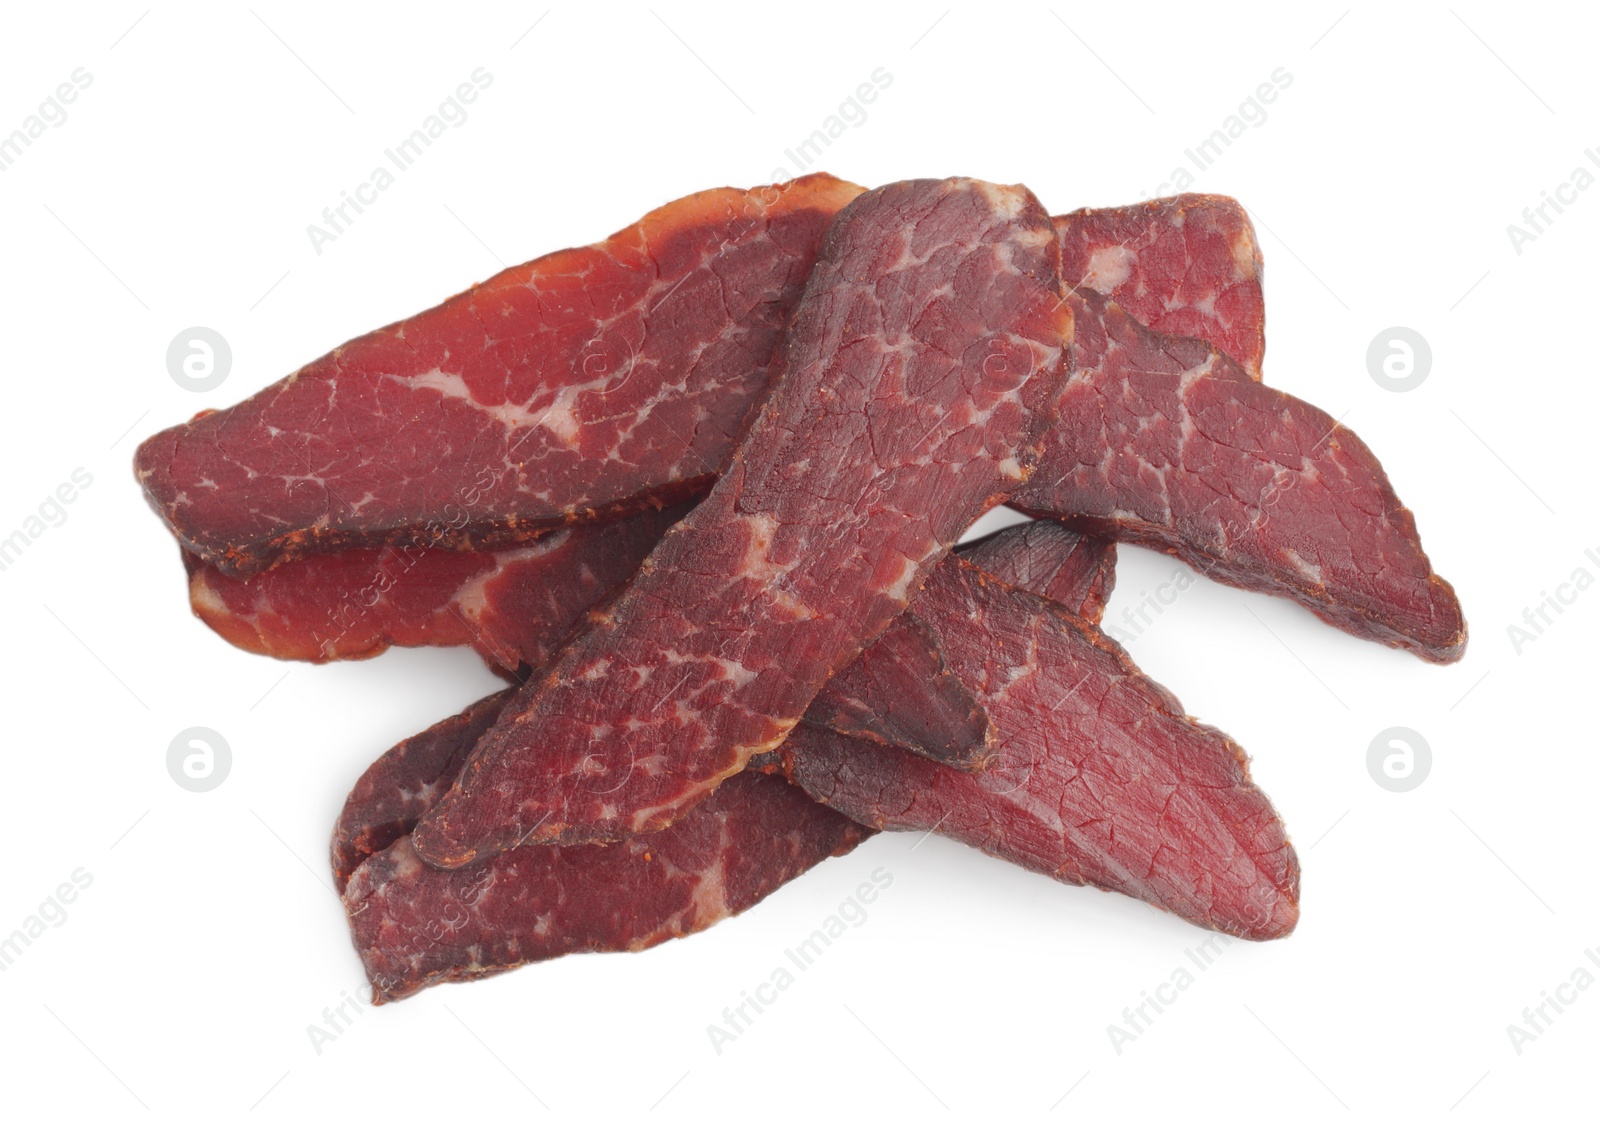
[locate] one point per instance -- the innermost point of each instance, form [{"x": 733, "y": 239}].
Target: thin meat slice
[
  {"x": 585, "y": 383},
  {"x": 1048, "y": 559},
  {"x": 517, "y": 604},
  {"x": 590, "y": 381},
  {"x": 900, "y": 692},
  {"x": 1101, "y": 779},
  {"x": 513, "y": 605},
  {"x": 413, "y": 775},
  {"x": 416, "y": 926},
  {"x": 404, "y": 783},
  {"x": 1174, "y": 448},
  {"x": 914, "y": 383},
  {"x": 1185, "y": 265}
]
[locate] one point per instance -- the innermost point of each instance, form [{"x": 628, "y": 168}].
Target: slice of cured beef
[
  {"x": 1184, "y": 265},
  {"x": 412, "y": 776},
  {"x": 1199, "y": 225},
  {"x": 914, "y": 384},
  {"x": 589, "y": 381},
  {"x": 513, "y": 605},
  {"x": 1050, "y": 560},
  {"x": 404, "y": 783},
  {"x": 1101, "y": 779},
  {"x": 599, "y": 379},
  {"x": 1166, "y": 443},
  {"x": 416, "y": 926}
]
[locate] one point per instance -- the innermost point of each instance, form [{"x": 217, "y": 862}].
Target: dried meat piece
[
  {"x": 915, "y": 379},
  {"x": 513, "y": 605},
  {"x": 1101, "y": 779},
  {"x": 1050, "y": 560},
  {"x": 1185, "y": 265},
  {"x": 589, "y": 381},
  {"x": 517, "y": 604},
  {"x": 404, "y": 783},
  {"x": 414, "y": 774},
  {"x": 416, "y": 926},
  {"x": 1171, "y": 447},
  {"x": 900, "y": 692}
]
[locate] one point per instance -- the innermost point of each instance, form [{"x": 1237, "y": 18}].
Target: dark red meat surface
[
  {"x": 601, "y": 379},
  {"x": 1101, "y": 779},
  {"x": 1189, "y": 262},
  {"x": 914, "y": 383},
  {"x": 404, "y": 783},
  {"x": 1167, "y": 444},
  {"x": 1050, "y": 560},
  {"x": 513, "y": 605},
  {"x": 416, "y": 926},
  {"x": 1185, "y": 265}
]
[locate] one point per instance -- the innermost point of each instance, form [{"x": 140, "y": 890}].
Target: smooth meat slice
[
  {"x": 1052, "y": 561},
  {"x": 517, "y": 604},
  {"x": 412, "y": 776},
  {"x": 1101, "y": 779},
  {"x": 588, "y": 381},
  {"x": 1174, "y": 448},
  {"x": 513, "y": 605},
  {"x": 915, "y": 381},
  {"x": 1185, "y": 265},
  {"x": 416, "y": 926},
  {"x": 404, "y": 783}
]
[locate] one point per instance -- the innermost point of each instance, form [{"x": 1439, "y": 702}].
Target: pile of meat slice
[{"x": 696, "y": 492}]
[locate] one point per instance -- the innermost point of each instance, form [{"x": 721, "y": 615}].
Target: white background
[{"x": 177, "y": 193}]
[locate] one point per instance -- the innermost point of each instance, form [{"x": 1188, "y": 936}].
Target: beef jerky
[
  {"x": 1186, "y": 265},
  {"x": 915, "y": 380},
  {"x": 1173, "y": 448},
  {"x": 416, "y": 926},
  {"x": 1050, "y": 560},
  {"x": 1101, "y": 779},
  {"x": 586, "y": 382},
  {"x": 1142, "y": 492},
  {"x": 412, "y": 776},
  {"x": 900, "y": 692},
  {"x": 903, "y": 692},
  {"x": 1191, "y": 232},
  {"x": 404, "y": 783},
  {"x": 594, "y": 380},
  {"x": 513, "y": 605}
]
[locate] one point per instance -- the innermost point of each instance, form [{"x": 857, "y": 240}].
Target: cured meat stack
[{"x": 696, "y": 492}]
